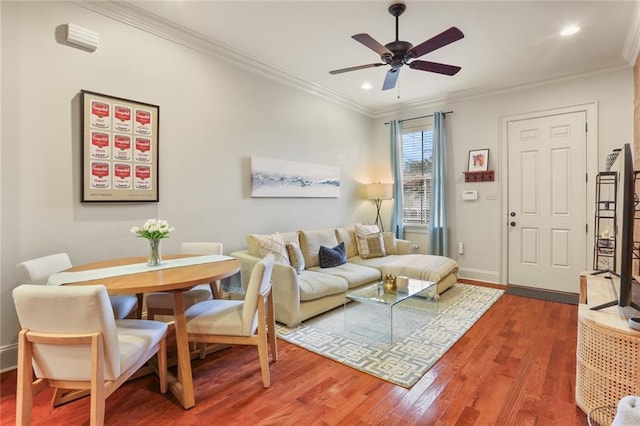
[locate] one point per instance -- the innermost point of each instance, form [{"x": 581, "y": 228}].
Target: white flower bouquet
[{"x": 153, "y": 229}]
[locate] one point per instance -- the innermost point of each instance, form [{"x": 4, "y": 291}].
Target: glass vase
[{"x": 155, "y": 256}]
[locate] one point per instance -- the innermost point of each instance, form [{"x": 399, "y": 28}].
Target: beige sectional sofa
[{"x": 313, "y": 290}]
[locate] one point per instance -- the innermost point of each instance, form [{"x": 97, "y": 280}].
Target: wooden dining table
[{"x": 175, "y": 280}]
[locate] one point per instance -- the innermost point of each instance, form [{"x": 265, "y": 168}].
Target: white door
[{"x": 547, "y": 201}]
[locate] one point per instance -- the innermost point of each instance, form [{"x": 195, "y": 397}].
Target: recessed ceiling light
[
  {"x": 570, "y": 30},
  {"x": 366, "y": 85}
]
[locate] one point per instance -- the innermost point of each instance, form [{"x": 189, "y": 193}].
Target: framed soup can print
[{"x": 120, "y": 149}]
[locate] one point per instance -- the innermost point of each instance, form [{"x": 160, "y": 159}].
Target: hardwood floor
[{"x": 516, "y": 366}]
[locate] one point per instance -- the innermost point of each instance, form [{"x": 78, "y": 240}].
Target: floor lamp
[{"x": 378, "y": 192}]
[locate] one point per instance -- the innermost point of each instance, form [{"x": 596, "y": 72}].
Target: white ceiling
[{"x": 506, "y": 44}]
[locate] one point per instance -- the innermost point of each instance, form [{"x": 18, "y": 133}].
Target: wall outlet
[{"x": 460, "y": 247}]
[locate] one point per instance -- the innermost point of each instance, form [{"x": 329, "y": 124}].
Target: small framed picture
[{"x": 478, "y": 160}]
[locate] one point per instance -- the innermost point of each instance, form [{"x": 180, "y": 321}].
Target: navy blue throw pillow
[{"x": 330, "y": 257}]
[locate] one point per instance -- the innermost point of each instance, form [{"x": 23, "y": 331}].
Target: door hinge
[
  {"x": 586, "y": 177},
  {"x": 586, "y": 228},
  {"x": 586, "y": 127}
]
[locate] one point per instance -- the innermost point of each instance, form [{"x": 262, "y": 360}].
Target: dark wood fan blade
[
  {"x": 391, "y": 78},
  {"x": 359, "y": 67},
  {"x": 442, "y": 39},
  {"x": 372, "y": 44},
  {"x": 434, "y": 67}
]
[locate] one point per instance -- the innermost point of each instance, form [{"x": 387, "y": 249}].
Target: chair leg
[
  {"x": 216, "y": 290},
  {"x": 271, "y": 321},
  {"x": 140, "y": 297},
  {"x": 162, "y": 365},
  {"x": 97, "y": 382},
  {"x": 24, "y": 390},
  {"x": 263, "y": 350}
]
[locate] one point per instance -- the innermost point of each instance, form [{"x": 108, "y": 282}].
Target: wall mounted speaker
[{"x": 82, "y": 37}]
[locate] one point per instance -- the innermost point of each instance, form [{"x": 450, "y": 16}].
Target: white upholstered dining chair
[
  {"x": 38, "y": 270},
  {"x": 162, "y": 303},
  {"x": 240, "y": 322},
  {"x": 72, "y": 341}
]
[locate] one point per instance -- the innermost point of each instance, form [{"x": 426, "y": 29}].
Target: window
[{"x": 417, "y": 149}]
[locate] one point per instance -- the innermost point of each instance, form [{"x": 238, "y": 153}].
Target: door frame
[{"x": 591, "y": 110}]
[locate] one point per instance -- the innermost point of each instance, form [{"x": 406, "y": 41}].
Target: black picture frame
[
  {"x": 478, "y": 160},
  {"x": 120, "y": 149}
]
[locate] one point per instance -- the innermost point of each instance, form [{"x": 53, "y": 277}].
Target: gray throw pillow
[{"x": 295, "y": 257}]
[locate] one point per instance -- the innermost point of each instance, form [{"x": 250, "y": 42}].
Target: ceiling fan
[{"x": 399, "y": 53}]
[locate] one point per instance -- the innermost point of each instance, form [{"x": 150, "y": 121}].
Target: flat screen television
[{"x": 625, "y": 221}]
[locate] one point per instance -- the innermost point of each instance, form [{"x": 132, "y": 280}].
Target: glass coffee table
[{"x": 374, "y": 295}]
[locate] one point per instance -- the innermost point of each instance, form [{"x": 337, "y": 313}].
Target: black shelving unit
[
  {"x": 605, "y": 229},
  {"x": 636, "y": 232}
]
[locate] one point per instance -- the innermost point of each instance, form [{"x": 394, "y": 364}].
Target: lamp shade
[{"x": 379, "y": 191}]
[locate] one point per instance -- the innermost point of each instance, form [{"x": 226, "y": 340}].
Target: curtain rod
[{"x": 422, "y": 116}]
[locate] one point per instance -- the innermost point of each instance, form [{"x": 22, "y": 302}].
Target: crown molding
[
  {"x": 632, "y": 42},
  {"x": 135, "y": 17},
  {"x": 480, "y": 92}
]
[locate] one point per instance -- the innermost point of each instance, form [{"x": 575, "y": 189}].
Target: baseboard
[
  {"x": 482, "y": 283},
  {"x": 479, "y": 275},
  {"x": 549, "y": 295},
  {"x": 8, "y": 357}
]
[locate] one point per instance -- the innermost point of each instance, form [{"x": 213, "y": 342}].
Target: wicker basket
[
  {"x": 601, "y": 416},
  {"x": 608, "y": 366}
]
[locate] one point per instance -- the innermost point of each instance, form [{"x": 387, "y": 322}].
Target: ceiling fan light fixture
[
  {"x": 398, "y": 53},
  {"x": 366, "y": 86},
  {"x": 570, "y": 30}
]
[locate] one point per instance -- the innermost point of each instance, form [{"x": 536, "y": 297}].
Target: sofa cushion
[
  {"x": 347, "y": 235},
  {"x": 375, "y": 262},
  {"x": 315, "y": 285},
  {"x": 366, "y": 229},
  {"x": 295, "y": 257},
  {"x": 253, "y": 241},
  {"x": 356, "y": 275},
  {"x": 310, "y": 242},
  {"x": 273, "y": 244},
  {"x": 370, "y": 241},
  {"x": 390, "y": 244},
  {"x": 421, "y": 266},
  {"x": 330, "y": 257},
  {"x": 371, "y": 245}
]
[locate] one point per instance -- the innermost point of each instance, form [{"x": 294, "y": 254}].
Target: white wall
[
  {"x": 213, "y": 117},
  {"x": 475, "y": 124}
]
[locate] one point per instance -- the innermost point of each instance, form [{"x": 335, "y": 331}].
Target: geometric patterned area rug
[{"x": 423, "y": 331}]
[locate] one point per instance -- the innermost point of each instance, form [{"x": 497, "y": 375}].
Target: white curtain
[{"x": 438, "y": 232}]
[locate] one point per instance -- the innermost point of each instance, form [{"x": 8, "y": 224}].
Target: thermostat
[{"x": 470, "y": 195}]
